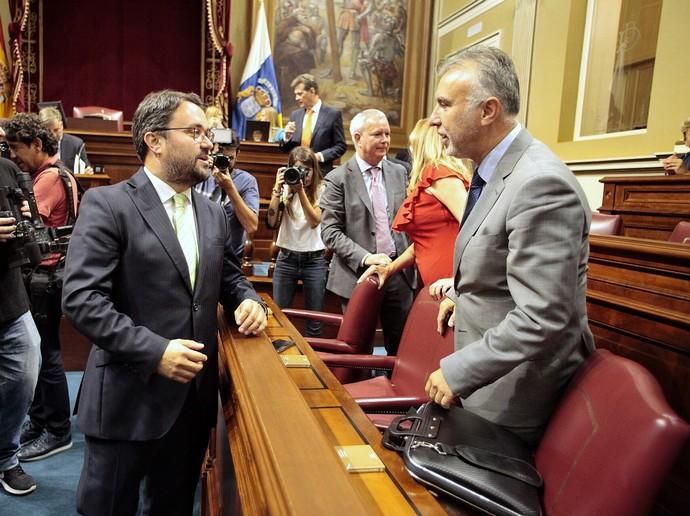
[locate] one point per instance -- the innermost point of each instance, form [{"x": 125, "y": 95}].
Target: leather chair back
[
  {"x": 610, "y": 442},
  {"x": 681, "y": 233},
  {"x": 99, "y": 112},
  {"x": 360, "y": 318},
  {"x": 421, "y": 347},
  {"x": 606, "y": 224}
]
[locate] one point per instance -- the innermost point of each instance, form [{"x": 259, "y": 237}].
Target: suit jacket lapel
[
  {"x": 299, "y": 122},
  {"x": 319, "y": 124},
  {"x": 203, "y": 223},
  {"x": 153, "y": 212},
  {"x": 392, "y": 189},
  {"x": 360, "y": 186},
  {"x": 491, "y": 192}
]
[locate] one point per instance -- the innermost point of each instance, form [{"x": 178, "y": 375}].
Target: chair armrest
[
  {"x": 399, "y": 404},
  {"x": 329, "y": 345},
  {"x": 324, "y": 317},
  {"x": 359, "y": 361}
]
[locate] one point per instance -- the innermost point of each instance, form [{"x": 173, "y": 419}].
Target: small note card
[{"x": 359, "y": 458}]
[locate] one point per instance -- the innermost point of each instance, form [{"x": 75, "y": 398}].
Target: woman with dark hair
[{"x": 294, "y": 211}]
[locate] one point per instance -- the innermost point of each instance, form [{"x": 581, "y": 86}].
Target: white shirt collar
[
  {"x": 316, "y": 108},
  {"x": 364, "y": 165},
  {"x": 164, "y": 190},
  {"x": 488, "y": 164}
]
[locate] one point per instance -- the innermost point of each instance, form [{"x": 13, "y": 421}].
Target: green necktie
[{"x": 183, "y": 223}]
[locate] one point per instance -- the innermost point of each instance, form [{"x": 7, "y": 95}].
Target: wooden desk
[
  {"x": 283, "y": 425},
  {"x": 92, "y": 180},
  {"x": 650, "y": 206},
  {"x": 638, "y": 305}
]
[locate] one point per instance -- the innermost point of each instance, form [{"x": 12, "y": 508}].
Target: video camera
[
  {"x": 225, "y": 138},
  {"x": 221, "y": 162},
  {"x": 294, "y": 175},
  {"x": 33, "y": 240}
]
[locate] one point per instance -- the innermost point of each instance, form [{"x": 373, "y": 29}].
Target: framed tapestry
[{"x": 363, "y": 54}]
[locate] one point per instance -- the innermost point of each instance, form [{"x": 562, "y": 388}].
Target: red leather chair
[
  {"x": 421, "y": 349},
  {"x": 356, "y": 327},
  {"x": 610, "y": 442},
  {"x": 99, "y": 112},
  {"x": 681, "y": 233},
  {"x": 605, "y": 224}
]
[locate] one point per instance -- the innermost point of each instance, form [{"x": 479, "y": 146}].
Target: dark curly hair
[{"x": 26, "y": 127}]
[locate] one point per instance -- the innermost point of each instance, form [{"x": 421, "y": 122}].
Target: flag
[
  {"x": 5, "y": 80},
  {"x": 258, "y": 97}
]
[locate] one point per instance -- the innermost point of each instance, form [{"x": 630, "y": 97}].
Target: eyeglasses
[{"x": 196, "y": 133}]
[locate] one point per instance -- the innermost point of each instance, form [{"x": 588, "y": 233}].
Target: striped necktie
[
  {"x": 183, "y": 222},
  {"x": 384, "y": 241}
]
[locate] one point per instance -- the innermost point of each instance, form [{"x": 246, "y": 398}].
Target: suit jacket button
[{"x": 195, "y": 307}]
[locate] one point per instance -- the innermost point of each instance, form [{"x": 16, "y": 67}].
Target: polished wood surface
[
  {"x": 638, "y": 304},
  {"x": 92, "y": 180},
  {"x": 650, "y": 206},
  {"x": 283, "y": 424}
]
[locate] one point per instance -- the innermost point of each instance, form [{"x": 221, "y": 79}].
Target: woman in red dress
[{"x": 431, "y": 213}]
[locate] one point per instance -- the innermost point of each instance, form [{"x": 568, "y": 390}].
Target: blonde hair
[{"x": 427, "y": 149}]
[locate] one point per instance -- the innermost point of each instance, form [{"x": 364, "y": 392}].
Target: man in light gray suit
[
  {"x": 518, "y": 305},
  {"x": 356, "y": 192}
]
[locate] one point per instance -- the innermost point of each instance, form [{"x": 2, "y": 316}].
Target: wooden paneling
[
  {"x": 283, "y": 424},
  {"x": 638, "y": 304},
  {"x": 650, "y": 206}
]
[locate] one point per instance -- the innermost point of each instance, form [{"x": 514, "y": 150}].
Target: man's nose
[{"x": 435, "y": 119}]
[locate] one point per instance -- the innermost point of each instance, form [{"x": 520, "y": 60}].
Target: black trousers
[
  {"x": 169, "y": 467},
  {"x": 50, "y": 406}
]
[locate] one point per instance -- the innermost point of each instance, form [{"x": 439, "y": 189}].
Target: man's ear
[
  {"x": 153, "y": 141},
  {"x": 491, "y": 110},
  {"x": 38, "y": 143}
]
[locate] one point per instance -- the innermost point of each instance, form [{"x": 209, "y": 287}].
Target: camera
[
  {"x": 221, "y": 162},
  {"x": 4, "y": 150},
  {"x": 294, "y": 175},
  {"x": 33, "y": 240}
]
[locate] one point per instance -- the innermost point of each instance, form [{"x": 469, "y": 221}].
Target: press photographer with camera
[
  {"x": 236, "y": 190},
  {"x": 34, "y": 149},
  {"x": 294, "y": 211},
  {"x": 19, "y": 345}
]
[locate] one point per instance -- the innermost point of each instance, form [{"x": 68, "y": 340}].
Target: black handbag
[{"x": 469, "y": 458}]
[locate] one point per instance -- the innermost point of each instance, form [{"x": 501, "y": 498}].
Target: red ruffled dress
[{"x": 430, "y": 225}]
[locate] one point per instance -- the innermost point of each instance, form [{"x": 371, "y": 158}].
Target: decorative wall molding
[{"x": 466, "y": 15}]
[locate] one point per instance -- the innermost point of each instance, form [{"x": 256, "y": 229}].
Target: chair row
[{"x": 609, "y": 224}]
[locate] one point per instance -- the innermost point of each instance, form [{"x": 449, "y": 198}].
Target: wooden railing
[{"x": 638, "y": 304}]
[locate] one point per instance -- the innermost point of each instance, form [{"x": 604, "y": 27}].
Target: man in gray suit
[
  {"x": 350, "y": 226},
  {"x": 521, "y": 255}
]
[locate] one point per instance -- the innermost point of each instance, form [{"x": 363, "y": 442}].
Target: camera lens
[
  {"x": 221, "y": 162},
  {"x": 292, "y": 175}
]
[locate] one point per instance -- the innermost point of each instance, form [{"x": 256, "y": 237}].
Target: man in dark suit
[
  {"x": 314, "y": 125},
  {"x": 355, "y": 223},
  {"x": 69, "y": 146},
  {"x": 148, "y": 261},
  {"x": 519, "y": 301}
]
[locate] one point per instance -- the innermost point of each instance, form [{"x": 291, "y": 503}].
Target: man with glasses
[
  {"x": 234, "y": 189},
  {"x": 149, "y": 260}
]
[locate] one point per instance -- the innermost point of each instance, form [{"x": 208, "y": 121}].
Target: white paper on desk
[{"x": 79, "y": 165}]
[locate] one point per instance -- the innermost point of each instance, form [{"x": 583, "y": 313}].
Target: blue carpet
[{"x": 56, "y": 476}]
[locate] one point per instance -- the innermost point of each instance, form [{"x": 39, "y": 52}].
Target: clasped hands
[
  {"x": 379, "y": 264},
  {"x": 183, "y": 359}
]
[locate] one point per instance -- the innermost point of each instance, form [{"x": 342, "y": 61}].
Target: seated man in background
[
  {"x": 34, "y": 149},
  {"x": 234, "y": 189},
  {"x": 675, "y": 165},
  {"x": 69, "y": 146}
]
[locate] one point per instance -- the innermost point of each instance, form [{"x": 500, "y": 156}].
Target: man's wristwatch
[{"x": 267, "y": 310}]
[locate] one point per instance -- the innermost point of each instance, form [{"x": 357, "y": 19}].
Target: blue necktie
[{"x": 476, "y": 188}]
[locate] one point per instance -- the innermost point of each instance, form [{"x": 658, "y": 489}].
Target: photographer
[
  {"x": 236, "y": 190},
  {"x": 19, "y": 350},
  {"x": 294, "y": 211},
  {"x": 34, "y": 149}
]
